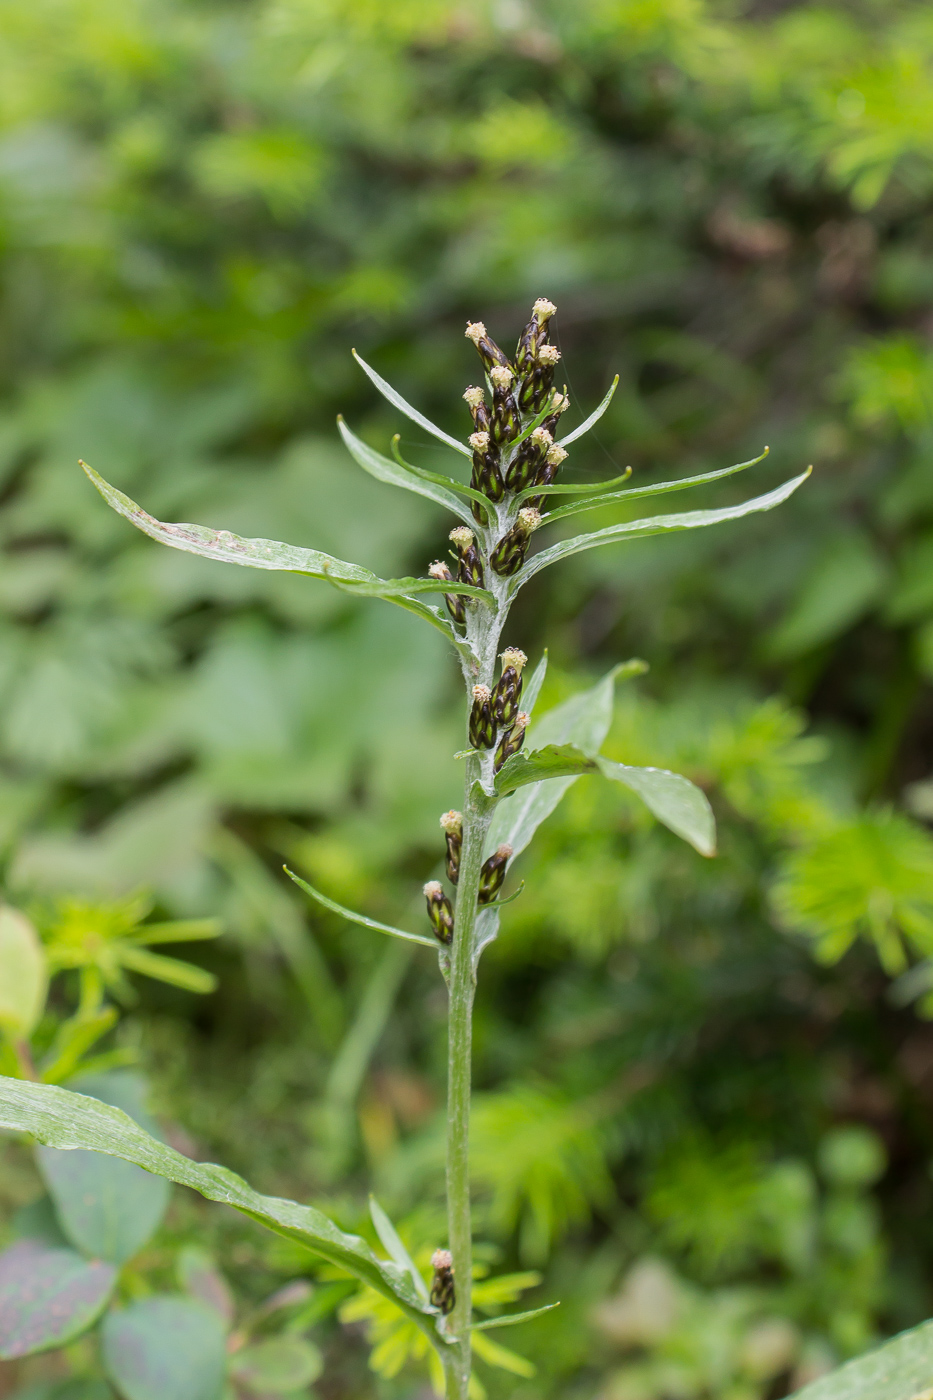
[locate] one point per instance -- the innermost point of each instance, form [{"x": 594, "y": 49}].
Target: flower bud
[
  {"x": 544, "y": 310},
  {"x": 508, "y": 689},
  {"x": 443, "y": 1294},
  {"x": 452, "y": 827},
  {"x": 440, "y": 912},
  {"x": 482, "y": 724},
  {"x": 454, "y": 601},
  {"x": 559, "y": 404},
  {"x": 476, "y": 401},
  {"x": 489, "y": 352},
  {"x": 506, "y": 422},
  {"x": 556, "y": 455},
  {"x": 534, "y": 336},
  {"x": 512, "y": 740},
  {"x": 548, "y": 473},
  {"x": 471, "y": 565},
  {"x": 493, "y": 873},
  {"x": 548, "y": 355},
  {"x": 486, "y": 476},
  {"x": 523, "y": 468},
  {"x": 509, "y": 554}
]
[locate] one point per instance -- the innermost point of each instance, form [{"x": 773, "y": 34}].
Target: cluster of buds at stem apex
[
  {"x": 455, "y": 603},
  {"x": 508, "y": 689},
  {"x": 509, "y": 554},
  {"x": 493, "y": 873},
  {"x": 452, "y": 827},
  {"x": 529, "y": 459},
  {"x": 482, "y": 724},
  {"x": 440, "y": 912},
  {"x": 512, "y": 740},
  {"x": 535, "y": 358},
  {"x": 470, "y": 568},
  {"x": 506, "y": 421},
  {"x": 443, "y": 1295}
]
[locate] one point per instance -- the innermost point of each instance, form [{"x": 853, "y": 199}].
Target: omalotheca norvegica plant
[{"x": 515, "y": 775}]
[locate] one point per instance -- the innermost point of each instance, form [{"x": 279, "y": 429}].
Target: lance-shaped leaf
[
  {"x": 272, "y": 554},
  {"x": 594, "y": 416},
  {"x": 447, "y": 482},
  {"x": 394, "y": 1248},
  {"x": 66, "y": 1120},
  {"x": 395, "y": 398},
  {"x": 676, "y": 802},
  {"x": 659, "y": 489},
  {"x": 48, "y": 1297},
  {"x": 512, "y": 1318},
  {"x": 655, "y": 525},
  {"x": 395, "y": 474},
  {"x": 355, "y": 918},
  {"x": 553, "y": 761},
  {"x": 577, "y": 488},
  {"x": 900, "y": 1370}
]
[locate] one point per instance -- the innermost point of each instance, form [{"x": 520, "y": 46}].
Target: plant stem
[{"x": 459, "y": 1067}]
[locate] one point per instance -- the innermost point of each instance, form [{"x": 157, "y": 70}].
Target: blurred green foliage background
[{"x": 704, "y": 1088}]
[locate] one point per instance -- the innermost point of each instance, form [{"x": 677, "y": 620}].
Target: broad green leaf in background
[
  {"x": 844, "y": 583},
  {"x": 674, "y": 800},
  {"x": 396, "y": 399},
  {"x": 198, "y": 1276},
  {"x": 107, "y": 1208},
  {"x": 48, "y": 1296},
  {"x": 66, "y": 1120},
  {"x": 654, "y": 525},
  {"x": 165, "y": 1348},
  {"x": 900, "y": 1370},
  {"x": 383, "y": 469},
  {"x": 502, "y": 1357},
  {"x": 23, "y": 974},
  {"x": 277, "y": 1365}
]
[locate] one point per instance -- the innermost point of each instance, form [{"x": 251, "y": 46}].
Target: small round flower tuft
[
  {"x": 504, "y": 852},
  {"x": 482, "y": 693},
  {"x": 501, "y": 376},
  {"x": 439, "y": 570},
  {"x": 461, "y": 536},
  {"x": 557, "y": 454},
  {"x": 475, "y": 331},
  {"x": 543, "y": 309},
  {"x": 548, "y": 355},
  {"x": 541, "y": 437},
  {"x": 529, "y": 519},
  {"x": 479, "y": 442},
  {"x": 514, "y": 658},
  {"x": 521, "y": 720},
  {"x": 433, "y": 889},
  {"x": 452, "y": 821},
  {"x": 559, "y": 403},
  {"x": 473, "y": 396},
  {"x": 442, "y": 1259}
]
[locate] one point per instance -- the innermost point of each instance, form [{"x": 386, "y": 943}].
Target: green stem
[{"x": 475, "y": 826}]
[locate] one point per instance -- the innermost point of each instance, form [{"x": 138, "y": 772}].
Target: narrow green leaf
[
  {"x": 502, "y": 1357},
  {"x": 497, "y": 903},
  {"x": 176, "y": 931},
  {"x": 654, "y": 525},
  {"x": 277, "y": 1366},
  {"x": 358, "y": 918},
  {"x": 394, "y": 1247},
  {"x": 532, "y": 687},
  {"x": 23, "y": 974},
  {"x": 398, "y": 474},
  {"x": 395, "y": 398},
  {"x": 165, "y": 1348},
  {"x": 676, "y": 802},
  {"x": 66, "y": 1120},
  {"x": 73, "y": 1038},
  {"x": 440, "y": 480},
  {"x": 578, "y": 488},
  {"x": 527, "y": 432},
  {"x": 553, "y": 761},
  {"x": 271, "y": 554},
  {"x": 594, "y": 416},
  {"x": 902, "y": 1369},
  {"x": 660, "y": 489},
  {"x": 48, "y": 1297},
  {"x": 172, "y": 970},
  {"x": 513, "y": 1318}
]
